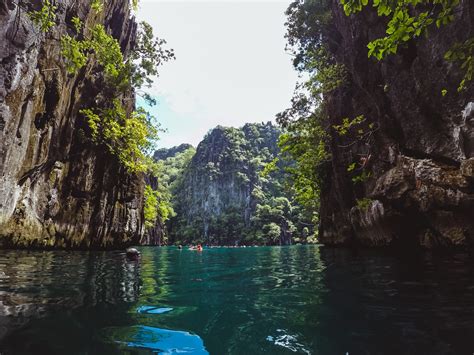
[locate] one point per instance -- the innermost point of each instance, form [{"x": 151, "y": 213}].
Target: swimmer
[{"x": 132, "y": 254}]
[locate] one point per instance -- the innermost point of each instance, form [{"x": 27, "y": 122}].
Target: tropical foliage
[
  {"x": 311, "y": 38},
  {"x": 234, "y": 191},
  {"x": 127, "y": 134},
  {"x": 45, "y": 18},
  {"x": 305, "y": 139}
]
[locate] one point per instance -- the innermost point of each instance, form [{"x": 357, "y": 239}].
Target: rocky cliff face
[
  {"x": 414, "y": 180},
  {"x": 56, "y": 188},
  {"x": 158, "y": 234},
  {"x": 218, "y": 193}
]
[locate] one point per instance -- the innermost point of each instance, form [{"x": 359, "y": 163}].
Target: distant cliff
[
  {"x": 222, "y": 196},
  {"x": 171, "y": 163},
  {"x": 57, "y": 188},
  {"x": 165, "y": 153},
  {"x": 408, "y": 178}
]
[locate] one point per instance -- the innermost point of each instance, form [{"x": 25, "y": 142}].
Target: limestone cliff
[
  {"x": 416, "y": 164},
  {"x": 57, "y": 189},
  {"x": 222, "y": 196},
  {"x": 173, "y": 167},
  {"x": 219, "y": 182}
]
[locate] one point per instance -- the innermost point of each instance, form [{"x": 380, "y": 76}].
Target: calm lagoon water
[{"x": 267, "y": 300}]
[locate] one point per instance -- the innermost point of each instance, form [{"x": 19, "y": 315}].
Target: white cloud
[{"x": 231, "y": 66}]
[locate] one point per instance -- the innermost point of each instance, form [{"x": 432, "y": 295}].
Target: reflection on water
[
  {"x": 153, "y": 310},
  {"x": 409, "y": 304},
  {"x": 34, "y": 284},
  {"x": 288, "y": 300},
  {"x": 163, "y": 341}
]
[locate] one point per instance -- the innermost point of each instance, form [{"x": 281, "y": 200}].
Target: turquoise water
[{"x": 267, "y": 300}]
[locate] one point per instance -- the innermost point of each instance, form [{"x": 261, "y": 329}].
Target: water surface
[{"x": 266, "y": 300}]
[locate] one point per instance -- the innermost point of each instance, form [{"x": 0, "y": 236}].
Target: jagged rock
[
  {"x": 467, "y": 168},
  {"x": 468, "y": 113},
  {"x": 394, "y": 183},
  {"x": 371, "y": 222},
  {"x": 56, "y": 188},
  {"x": 421, "y": 165}
]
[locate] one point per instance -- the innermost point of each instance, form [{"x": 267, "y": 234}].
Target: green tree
[{"x": 305, "y": 139}]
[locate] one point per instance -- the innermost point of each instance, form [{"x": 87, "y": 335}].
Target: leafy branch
[{"x": 409, "y": 19}]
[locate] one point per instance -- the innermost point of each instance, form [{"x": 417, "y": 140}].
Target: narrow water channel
[{"x": 265, "y": 300}]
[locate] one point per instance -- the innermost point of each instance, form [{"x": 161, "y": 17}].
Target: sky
[{"x": 231, "y": 66}]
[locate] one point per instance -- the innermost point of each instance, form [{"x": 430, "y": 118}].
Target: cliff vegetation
[
  {"x": 74, "y": 149},
  {"x": 376, "y": 147},
  {"x": 232, "y": 189},
  {"x": 387, "y": 110}
]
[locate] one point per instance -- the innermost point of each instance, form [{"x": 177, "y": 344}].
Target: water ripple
[{"x": 302, "y": 299}]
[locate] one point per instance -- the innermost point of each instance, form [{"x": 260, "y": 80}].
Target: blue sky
[{"x": 230, "y": 67}]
